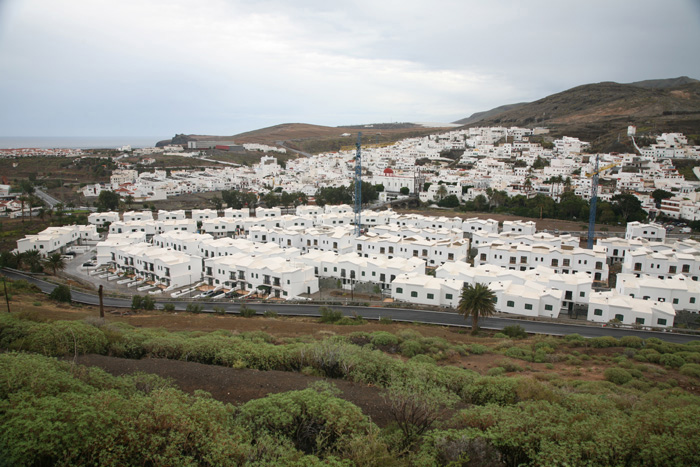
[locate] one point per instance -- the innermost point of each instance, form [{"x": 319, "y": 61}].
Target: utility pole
[
  {"x": 102, "y": 309},
  {"x": 7, "y": 297}
]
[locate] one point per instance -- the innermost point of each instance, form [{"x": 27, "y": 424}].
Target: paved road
[
  {"x": 48, "y": 199},
  {"x": 397, "y": 314}
]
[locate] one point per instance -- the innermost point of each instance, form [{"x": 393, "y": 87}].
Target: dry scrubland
[{"x": 194, "y": 389}]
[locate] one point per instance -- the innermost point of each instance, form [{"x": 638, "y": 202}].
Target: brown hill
[
  {"x": 601, "y": 112},
  {"x": 315, "y": 138}
]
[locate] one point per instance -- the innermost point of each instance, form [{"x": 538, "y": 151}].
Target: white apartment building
[
  {"x": 312, "y": 211},
  {"x": 136, "y": 216},
  {"x": 101, "y": 218},
  {"x": 575, "y": 288},
  {"x": 268, "y": 212},
  {"x": 185, "y": 242},
  {"x": 171, "y": 215},
  {"x": 184, "y": 225},
  {"x": 266, "y": 275},
  {"x": 120, "y": 177},
  {"x": 200, "y": 215},
  {"x": 528, "y": 299},
  {"x": 106, "y": 247},
  {"x": 223, "y": 226},
  {"x": 663, "y": 264},
  {"x": 564, "y": 260},
  {"x": 427, "y": 233},
  {"x": 351, "y": 269},
  {"x": 681, "y": 292},
  {"x": 57, "y": 239},
  {"x": 606, "y": 306},
  {"x": 167, "y": 268},
  {"x": 433, "y": 252},
  {"x": 519, "y": 227},
  {"x": 474, "y": 225},
  {"x": 422, "y": 289},
  {"x": 148, "y": 227},
  {"x": 237, "y": 213},
  {"x": 650, "y": 232},
  {"x": 509, "y": 238}
]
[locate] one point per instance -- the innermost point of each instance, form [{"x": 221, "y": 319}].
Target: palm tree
[
  {"x": 56, "y": 262},
  {"x": 441, "y": 192},
  {"x": 477, "y": 301},
  {"x": 32, "y": 258}
]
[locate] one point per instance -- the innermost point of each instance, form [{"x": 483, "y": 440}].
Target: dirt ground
[{"x": 237, "y": 386}]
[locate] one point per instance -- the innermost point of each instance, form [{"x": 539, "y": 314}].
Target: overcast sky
[{"x": 152, "y": 67}]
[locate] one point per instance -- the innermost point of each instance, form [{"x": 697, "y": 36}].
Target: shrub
[
  {"x": 246, "y": 312},
  {"x": 672, "y": 360},
  {"x": 384, "y": 339},
  {"x": 515, "y": 331},
  {"x": 385, "y": 320},
  {"x": 270, "y": 314},
  {"x": 411, "y": 348},
  {"x": 169, "y": 307},
  {"x": 148, "y": 303},
  {"x": 350, "y": 321},
  {"x": 509, "y": 365},
  {"x": 575, "y": 339},
  {"x": 478, "y": 349},
  {"x": 194, "y": 308},
  {"x": 519, "y": 352},
  {"x": 500, "y": 335},
  {"x": 632, "y": 341},
  {"x": 617, "y": 375},
  {"x": 603, "y": 342},
  {"x": 61, "y": 294},
  {"x": 496, "y": 371},
  {"x": 329, "y": 315},
  {"x": 691, "y": 369}
]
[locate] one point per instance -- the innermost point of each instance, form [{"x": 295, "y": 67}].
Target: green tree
[
  {"x": 450, "y": 201},
  {"x": 441, "y": 192},
  {"x": 56, "y": 262},
  {"x": 628, "y": 208},
  {"x": 659, "y": 195},
  {"x": 404, "y": 190},
  {"x": 477, "y": 301},
  {"x": 107, "y": 201},
  {"x": 32, "y": 258},
  {"x": 61, "y": 294}
]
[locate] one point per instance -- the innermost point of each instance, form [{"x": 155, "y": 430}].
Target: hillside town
[{"x": 261, "y": 252}]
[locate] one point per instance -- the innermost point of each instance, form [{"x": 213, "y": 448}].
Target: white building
[
  {"x": 520, "y": 227},
  {"x": 164, "y": 267},
  {"x": 681, "y": 292},
  {"x": 607, "y": 306},
  {"x": 101, "y": 218},
  {"x": 135, "y": 216},
  {"x": 57, "y": 239},
  {"x": 651, "y": 232},
  {"x": 171, "y": 215}
]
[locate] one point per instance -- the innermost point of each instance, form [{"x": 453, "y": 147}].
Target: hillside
[
  {"x": 601, "y": 112},
  {"x": 475, "y": 117},
  {"x": 315, "y": 138}
]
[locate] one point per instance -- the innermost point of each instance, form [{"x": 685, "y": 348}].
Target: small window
[
  {"x": 598, "y": 312},
  {"x": 431, "y": 296},
  {"x": 399, "y": 290},
  {"x": 661, "y": 322},
  {"x": 692, "y": 299},
  {"x": 675, "y": 301},
  {"x": 639, "y": 321},
  {"x": 619, "y": 317},
  {"x": 510, "y": 303},
  {"x": 548, "y": 308},
  {"x": 528, "y": 306},
  {"x": 414, "y": 294},
  {"x": 448, "y": 296},
  {"x": 582, "y": 294}
]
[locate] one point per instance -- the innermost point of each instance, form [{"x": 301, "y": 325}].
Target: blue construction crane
[{"x": 358, "y": 186}]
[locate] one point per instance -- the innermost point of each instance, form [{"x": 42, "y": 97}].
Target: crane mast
[
  {"x": 358, "y": 186},
  {"x": 594, "y": 201}
]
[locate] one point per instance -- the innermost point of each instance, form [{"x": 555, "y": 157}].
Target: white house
[
  {"x": 681, "y": 292},
  {"x": 651, "y": 232},
  {"x": 520, "y": 227},
  {"x": 474, "y": 225},
  {"x": 134, "y": 216},
  {"x": 101, "y": 218},
  {"x": 199, "y": 215},
  {"x": 607, "y": 306},
  {"x": 171, "y": 215}
]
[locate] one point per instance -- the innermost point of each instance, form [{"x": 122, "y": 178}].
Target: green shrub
[
  {"x": 194, "y": 308},
  {"x": 329, "y": 315},
  {"x": 350, "y": 321},
  {"x": 169, "y": 307},
  {"x": 61, "y": 294},
  {"x": 509, "y": 365},
  {"x": 603, "y": 342},
  {"x": 63, "y": 338},
  {"x": 246, "y": 312},
  {"x": 500, "y": 335},
  {"x": 219, "y": 310},
  {"x": 478, "y": 349},
  {"x": 36, "y": 303},
  {"x": 519, "y": 352},
  {"x": 632, "y": 341},
  {"x": 496, "y": 371},
  {"x": 411, "y": 348},
  {"x": 617, "y": 375},
  {"x": 691, "y": 369},
  {"x": 515, "y": 331},
  {"x": 270, "y": 314},
  {"x": 148, "y": 303},
  {"x": 384, "y": 339},
  {"x": 671, "y": 360},
  {"x": 385, "y": 320}
]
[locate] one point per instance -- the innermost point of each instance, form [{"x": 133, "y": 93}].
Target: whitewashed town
[{"x": 290, "y": 253}]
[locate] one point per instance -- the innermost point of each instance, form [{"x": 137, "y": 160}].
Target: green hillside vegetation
[{"x": 641, "y": 409}]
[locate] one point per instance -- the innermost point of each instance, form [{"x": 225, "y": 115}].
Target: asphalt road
[
  {"x": 396, "y": 314},
  {"x": 48, "y": 199}
]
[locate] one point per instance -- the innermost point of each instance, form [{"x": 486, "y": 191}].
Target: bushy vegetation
[
  {"x": 49, "y": 409},
  {"x": 61, "y": 294}
]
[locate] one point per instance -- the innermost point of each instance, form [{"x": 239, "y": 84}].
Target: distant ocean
[{"x": 79, "y": 142}]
